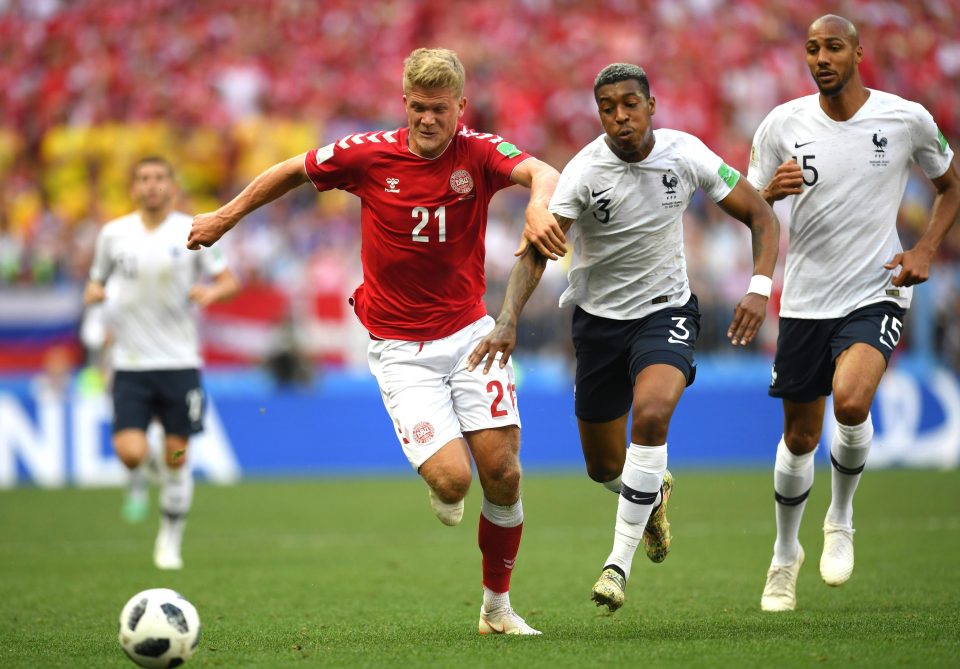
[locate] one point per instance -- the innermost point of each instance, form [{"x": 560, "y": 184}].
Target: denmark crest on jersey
[{"x": 461, "y": 182}]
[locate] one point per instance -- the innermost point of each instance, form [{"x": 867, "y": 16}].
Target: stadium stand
[{"x": 225, "y": 89}]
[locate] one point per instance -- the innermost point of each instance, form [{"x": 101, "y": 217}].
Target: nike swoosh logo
[
  {"x": 599, "y": 192},
  {"x": 497, "y": 628},
  {"x": 797, "y": 145}
]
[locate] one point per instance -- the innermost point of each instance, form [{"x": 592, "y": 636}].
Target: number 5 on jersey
[{"x": 423, "y": 214}]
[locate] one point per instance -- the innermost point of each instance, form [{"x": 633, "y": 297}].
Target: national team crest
[
  {"x": 461, "y": 182},
  {"x": 422, "y": 432}
]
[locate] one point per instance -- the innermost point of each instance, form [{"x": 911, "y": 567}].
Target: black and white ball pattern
[{"x": 159, "y": 628}]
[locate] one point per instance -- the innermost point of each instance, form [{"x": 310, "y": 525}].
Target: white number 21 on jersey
[{"x": 424, "y": 215}]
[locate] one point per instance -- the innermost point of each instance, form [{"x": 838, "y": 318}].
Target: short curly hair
[{"x": 615, "y": 72}]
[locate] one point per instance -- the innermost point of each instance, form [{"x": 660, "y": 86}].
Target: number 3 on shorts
[{"x": 680, "y": 334}]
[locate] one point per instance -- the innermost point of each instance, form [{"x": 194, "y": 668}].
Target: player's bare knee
[
  {"x": 130, "y": 451},
  {"x": 651, "y": 420},
  {"x": 850, "y": 410},
  {"x": 452, "y": 487},
  {"x": 501, "y": 481},
  {"x": 505, "y": 475},
  {"x": 603, "y": 471},
  {"x": 800, "y": 441},
  {"x": 131, "y": 459}
]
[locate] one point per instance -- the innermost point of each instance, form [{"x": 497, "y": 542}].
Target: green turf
[{"x": 351, "y": 573}]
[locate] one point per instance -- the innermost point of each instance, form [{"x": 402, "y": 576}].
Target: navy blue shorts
[
  {"x": 807, "y": 349},
  {"x": 174, "y": 396},
  {"x": 611, "y": 353}
]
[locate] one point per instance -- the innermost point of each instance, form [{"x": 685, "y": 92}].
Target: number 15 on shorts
[{"x": 890, "y": 331}]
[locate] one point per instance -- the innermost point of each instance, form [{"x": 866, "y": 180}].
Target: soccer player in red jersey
[{"x": 424, "y": 192}]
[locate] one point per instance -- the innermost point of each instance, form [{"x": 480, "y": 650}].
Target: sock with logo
[
  {"x": 848, "y": 455},
  {"x": 792, "y": 480},
  {"x": 499, "y": 540},
  {"x": 642, "y": 477}
]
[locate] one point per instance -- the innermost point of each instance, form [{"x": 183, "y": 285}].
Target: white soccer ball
[{"x": 159, "y": 628}]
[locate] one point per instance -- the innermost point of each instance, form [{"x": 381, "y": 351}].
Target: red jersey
[{"x": 422, "y": 222}]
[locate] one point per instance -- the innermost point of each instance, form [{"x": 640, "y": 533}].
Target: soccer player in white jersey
[
  {"x": 156, "y": 288},
  {"x": 636, "y": 322},
  {"x": 845, "y": 155}
]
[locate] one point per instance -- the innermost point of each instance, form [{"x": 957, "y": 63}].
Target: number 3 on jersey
[{"x": 423, "y": 214}]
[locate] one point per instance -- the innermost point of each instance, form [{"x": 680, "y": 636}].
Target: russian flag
[{"x": 34, "y": 320}]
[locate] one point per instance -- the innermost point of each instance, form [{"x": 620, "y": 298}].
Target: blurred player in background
[
  {"x": 636, "y": 322},
  {"x": 155, "y": 356},
  {"x": 93, "y": 380},
  {"x": 424, "y": 192},
  {"x": 845, "y": 154}
]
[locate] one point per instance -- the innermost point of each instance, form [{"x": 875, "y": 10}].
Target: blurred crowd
[{"x": 226, "y": 88}]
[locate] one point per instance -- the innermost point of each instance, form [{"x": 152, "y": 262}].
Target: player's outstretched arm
[
  {"x": 267, "y": 187},
  {"x": 915, "y": 263},
  {"x": 747, "y": 206},
  {"x": 524, "y": 278},
  {"x": 787, "y": 180},
  {"x": 540, "y": 228}
]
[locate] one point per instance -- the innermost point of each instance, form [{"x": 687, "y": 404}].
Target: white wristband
[{"x": 760, "y": 284}]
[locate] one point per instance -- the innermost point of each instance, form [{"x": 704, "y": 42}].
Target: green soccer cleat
[
  {"x": 608, "y": 590},
  {"x": 656, "y": 535},
  {"x": 135, "y": 508}
]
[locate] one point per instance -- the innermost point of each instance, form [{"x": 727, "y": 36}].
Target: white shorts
[{"x": 432, "y": 398}]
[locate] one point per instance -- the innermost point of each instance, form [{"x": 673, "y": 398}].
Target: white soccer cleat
[
  {"x": 166, "y": 553},
  {"x": 836, "y": 562},
  {"x": 780, "y": 592},
  {"x": 609, "y": 589},
  {"x": 504, "y": 621},
  {"x": 449, "y": 514}
]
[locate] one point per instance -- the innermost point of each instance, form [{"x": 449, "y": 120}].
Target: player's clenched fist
[
  {"x": 206, "y": 230},
  {"x": 787, "y": 180}
]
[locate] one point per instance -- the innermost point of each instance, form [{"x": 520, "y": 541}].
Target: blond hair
[{"x": 432, "y": 69}]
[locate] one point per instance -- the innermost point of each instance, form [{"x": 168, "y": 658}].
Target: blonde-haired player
[{"x": 424, "y": 191}]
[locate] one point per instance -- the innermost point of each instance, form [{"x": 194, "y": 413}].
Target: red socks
[{"x": 499, "y": 546}]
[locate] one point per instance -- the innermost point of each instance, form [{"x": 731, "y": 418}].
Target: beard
[{"x": 834, "y": 88}]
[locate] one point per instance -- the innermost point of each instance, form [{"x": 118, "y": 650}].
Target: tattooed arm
[{"x": 524, "y": 278}]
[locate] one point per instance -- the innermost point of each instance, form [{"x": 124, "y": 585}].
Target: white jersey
[
  {"x": 843, "y": 225},
  {"x": 150, "y": 274},
  {"x": 628, "y": 258}
]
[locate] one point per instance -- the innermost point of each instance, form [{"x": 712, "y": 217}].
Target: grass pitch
[{"x": 358, "y": 573}]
